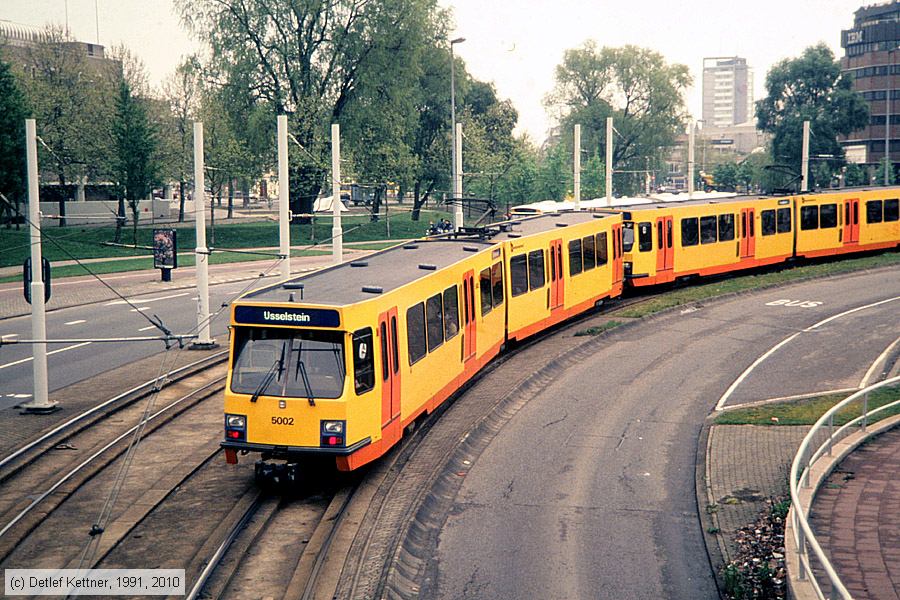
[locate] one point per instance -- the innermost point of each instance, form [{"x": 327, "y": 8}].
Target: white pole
[
  {"x": 337, "y": 231},
  {"x": 457, "y": 179},
  {"x": 41, "y": 402},
  {"x": 201, "y": 252},
  {"x": 804, "y": 167},
  {"x": 691, "y": 167},
  {"x": 284, "y": 200},
  {"x": 577, "y": 166},
  {"x": 609, "y": 160}
]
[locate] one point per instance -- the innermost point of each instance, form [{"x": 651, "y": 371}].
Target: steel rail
[
  {"x": 800, "y": 473},
  {"x": 137, "y": 391},
  {"x": 219, "y": 554},
  {"x": 99, "y": 452}
]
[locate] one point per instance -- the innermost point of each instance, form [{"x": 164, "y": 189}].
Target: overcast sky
[{"x": 517, "y": 43}]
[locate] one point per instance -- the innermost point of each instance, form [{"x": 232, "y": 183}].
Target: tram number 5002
[{"x": 282, "y": 420}]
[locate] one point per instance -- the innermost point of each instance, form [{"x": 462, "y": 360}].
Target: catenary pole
[
  {"x": 337, "y": 231},
  {"x": 691, "y": 163},
  {"x": 284, "y": 199},
  {"x": 457, "y": 179},
  {"x": 577, "y": 166},
  {"x": 804, "y": 166},
  {"x": 41, "y": 402},
  {"x": 609, "y": 160},
  {"x": 201, "y": 252}
]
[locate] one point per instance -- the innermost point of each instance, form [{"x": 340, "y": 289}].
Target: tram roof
[{"x": 397, "y": 266}]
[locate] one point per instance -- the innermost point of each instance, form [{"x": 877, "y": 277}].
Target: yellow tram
[{"x": 340, "y": 361}]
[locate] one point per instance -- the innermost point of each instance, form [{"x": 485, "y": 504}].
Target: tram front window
[{"x": 288, "y": 363}]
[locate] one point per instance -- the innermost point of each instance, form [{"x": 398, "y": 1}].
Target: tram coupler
[{"x": 276, "y": 474}]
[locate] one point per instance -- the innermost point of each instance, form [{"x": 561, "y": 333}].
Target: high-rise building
[
  {"x": 727, "y": 91},
  {"x": 872, "y": 59}
]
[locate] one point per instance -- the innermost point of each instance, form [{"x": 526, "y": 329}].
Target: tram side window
[
  {"x": 768, "y": 222},
  {"x": 784, "y": 220},
  {"x": 726, "y": 227},
  {"x": 363, "y": 362},
  {"x": 707, "y": 230},
  {"x": 518, "y": 274},
  {"x": 415, "y": 332},
  {"x": 690, "y": 232},
  {"x": 434, "y": 319},
  {"x": 874, "y": 211},
  {"x": 451, "y": 312},
  {"x": 828, "y": 216},
  {"x": 645, "y": 237},
  {"x": 602, "y": 250},
  {"x": 536, "y": 269},
  {"x": 891, "y": 210},
  {"x": 497, "y": 283},
  {"x": 484, "y": 282},
  {"x": 590, "y": 256},
  {"x": 575, "y": 257},
  {"x": 809, "y": 217},
  {"x": 627, "y": 237}
]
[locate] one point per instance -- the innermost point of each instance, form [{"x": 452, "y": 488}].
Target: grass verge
[
  {"x": 706, "y": 291},
  {"x": 142, "y": 264},
  {"x": 808, "y": 411}
]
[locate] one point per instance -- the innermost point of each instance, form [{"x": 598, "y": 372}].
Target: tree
[
  {"x": 136, "y": 146},
  {"x": 13, "y": 112},
  {"x": 307, "y": 59},
  {"x": 855, "y": 175},
  {"x": 636, "y": 87},
  {"x": 72, "y": 102},
  {"x": 811, "y": 88},
  {"x": 182, "y": 92}
]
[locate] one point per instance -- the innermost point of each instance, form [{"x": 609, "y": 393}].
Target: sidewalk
[{"x": 76, "y": 291}]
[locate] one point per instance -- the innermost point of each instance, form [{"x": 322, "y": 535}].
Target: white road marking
[
  {"x": 775, "y": 348},
  {"x": 145, "y": 301},
  {"x": 18, "y": 396},
  {"x": 78, "y": 322},
  {"x": 796, "y": 303},
  {"x": 31, "y": 358},
  {"x": 878, "y": 362},
  {"x": 9, "y": 336},
  {"x": 148, "y": 328},
  {"x": 140, "y": 309}
]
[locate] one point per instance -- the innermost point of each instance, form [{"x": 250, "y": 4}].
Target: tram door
[
  {"x": 557, "y": 281},
  {"x": 748, "y": 233},
  {"x": 665, "y": 253},
  {"x": 390, "y": 373},
  {"x": 470, "y": 329},
  {"x": 851, "y": 221},
  {"x": 617, "y": 252}
]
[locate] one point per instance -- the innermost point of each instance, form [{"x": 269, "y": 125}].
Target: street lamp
[{"x": 458, "y": 217}]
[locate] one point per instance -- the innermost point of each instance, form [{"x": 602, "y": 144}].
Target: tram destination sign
[{"x": 304, "y": 317}]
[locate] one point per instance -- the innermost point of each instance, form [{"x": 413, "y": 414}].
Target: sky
[{"x": 515, "y": 43}]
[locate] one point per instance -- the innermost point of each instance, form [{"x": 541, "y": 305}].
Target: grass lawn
[
  {"x": 64, "y": 243},
  {"x": 808, "y": 411}
]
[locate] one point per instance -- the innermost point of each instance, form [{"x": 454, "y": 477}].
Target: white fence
[{"x": 808, "y": 470}]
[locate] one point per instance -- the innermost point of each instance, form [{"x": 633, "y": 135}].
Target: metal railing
[{"x": 801, "y": 466}]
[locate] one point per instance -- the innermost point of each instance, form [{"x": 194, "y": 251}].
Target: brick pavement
[
  {"x": 855, "y": 514},
  {"x": 745, "y": 466}
]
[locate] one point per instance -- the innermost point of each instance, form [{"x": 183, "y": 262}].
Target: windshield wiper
[
  {"x": 309, "y": 393},
  {"x": 277, "y": 367},
  {"x": 301, "y": 371}
]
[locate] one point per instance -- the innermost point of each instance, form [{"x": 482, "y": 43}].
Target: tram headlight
[
  {"x": 333, "y": 427},
  {"x": 236, "y": 421}
]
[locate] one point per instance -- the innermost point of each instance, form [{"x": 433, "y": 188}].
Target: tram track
[{"x": 60, "y": 468}]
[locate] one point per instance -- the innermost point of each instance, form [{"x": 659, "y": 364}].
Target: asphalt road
[
  {"x": 589, "y": 491},
  {"x": 72, "y": 362}
]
